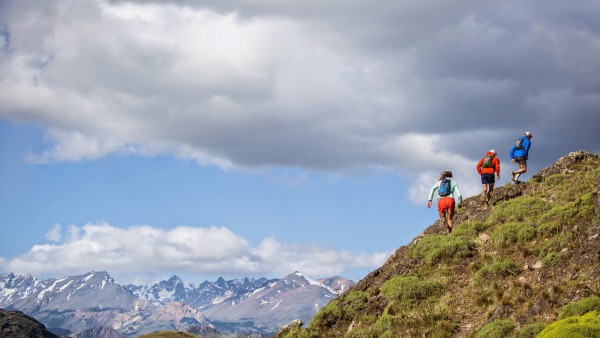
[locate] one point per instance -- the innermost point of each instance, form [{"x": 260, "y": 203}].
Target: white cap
[
  {"x": 493, "y": 151},
  {"x": 527, "y": 133}
]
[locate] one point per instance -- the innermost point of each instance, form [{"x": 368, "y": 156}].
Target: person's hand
[
  {"x": 512, "y": 160},
  {"x": 429, "y": 204},
  {"x": 498, "y": 177}
]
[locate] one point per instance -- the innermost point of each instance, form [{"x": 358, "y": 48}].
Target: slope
[{"x": 509, "y": 268}]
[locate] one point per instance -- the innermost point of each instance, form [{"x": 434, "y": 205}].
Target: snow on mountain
[
  {"x": 95, "y": 300},
  {"x": 275, "y": 304},
  {"x": 91, "y": 300}
]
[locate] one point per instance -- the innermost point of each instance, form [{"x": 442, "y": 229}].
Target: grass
[
  {"x": 501, "y": 328},
  {"x": 585, "y": 326},
  {"x": 442, "y": 275}
]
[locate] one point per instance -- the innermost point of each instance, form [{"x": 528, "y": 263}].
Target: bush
[
  {"x": 410, "y": 292},
  {"x": 497, "y": 329},
  {"x": 492, "y": 271},
  {"x": 562, "y": 214},
  {"x": 580, "y": 307},
  {"x": 438, "y": 248},
  {"x": 551, "y": 249},
  {"x": 520, "y": 209},
  {"x": 508, "y": 234},
  {"x": 530, "y": 330},
  {"x": 327, "y": 316},
  {"x": 584, "y": 326},
  {"x": 353, "y": 303}
]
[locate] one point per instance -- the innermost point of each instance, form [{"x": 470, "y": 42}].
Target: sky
[{"x": 257, "y": 138}]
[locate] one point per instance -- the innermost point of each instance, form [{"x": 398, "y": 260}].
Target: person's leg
[
  {"x": 450, "y": 219},
  {"x": 483, "y": 192},
  {"x": 522, "y": 170},
  {"x": 442, "y": 216},
  {"x": 489, "y": 192}
]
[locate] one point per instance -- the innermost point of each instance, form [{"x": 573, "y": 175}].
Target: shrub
[
  {"x": 438, "y": 248},
  {"x": 409, "y": 292},
  {"x": 353, "y": 303},
  {"x": 550, "y": 250},
  {"x": 584, "y": 326},
  {"x": 497, "y": 329},
  {"x": 563, "y": 214},
  {"x": 511, "y": 233},
  {"x": 492, "y": 271},
  {"x": 580, "y": 307},
  {"x": 327, "y": 316},
  {"x": 530, "y": 330},
  {"x": 520, "y": 209}
]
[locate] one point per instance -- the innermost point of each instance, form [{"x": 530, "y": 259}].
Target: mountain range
[{"x": 91, "y": 301}]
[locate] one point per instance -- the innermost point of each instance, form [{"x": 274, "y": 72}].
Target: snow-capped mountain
[
  {"x": 91, "y": 300},
  {"x": 240, "y": 305}
]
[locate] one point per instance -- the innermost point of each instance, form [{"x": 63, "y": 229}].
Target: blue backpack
[{"x": 445, "y": 187}]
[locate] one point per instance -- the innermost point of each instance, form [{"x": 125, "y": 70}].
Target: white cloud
[
  {"x": 211, "y": 251},
  {"x": 267, "y": 84},
  {"x": 55, "y": 233}
]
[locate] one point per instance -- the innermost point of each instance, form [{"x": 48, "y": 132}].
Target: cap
[
  {"x": 527, "y": 133},
  {"x": 493, "y": 151}
]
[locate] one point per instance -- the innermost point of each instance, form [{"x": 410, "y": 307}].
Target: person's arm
[
  {"x": 512, "y": 153},
  {"x": 431, "y": 192},
  {"x": 479, "y": 165},
  {"x": 497, "y": 166},
  {"x": 456, "y": 193},
  {"x": 526, "y": 144}
]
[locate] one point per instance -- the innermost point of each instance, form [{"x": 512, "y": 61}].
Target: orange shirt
[{"x": 495, "y": 163}]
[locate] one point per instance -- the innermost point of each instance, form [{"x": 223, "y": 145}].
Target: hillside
[
  {"x": 16, "y": 324},
  {"x": 508, "y": 270}
]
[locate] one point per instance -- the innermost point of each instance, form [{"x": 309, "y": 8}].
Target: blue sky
[{"x": 152, "y": 138}]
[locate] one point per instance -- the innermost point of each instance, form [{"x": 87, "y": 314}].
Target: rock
[{"x": 537, "y": 265}]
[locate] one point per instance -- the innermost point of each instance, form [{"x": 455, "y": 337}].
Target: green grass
[
  {"x": 496, "y": 270},
  {"x": 410, "y": 292},
  {"x": 584, "y": 326},
  {"x": 580, "y": 307},
  {"x": 501, "y": 328},
  {"x": 437, "y": 248}
]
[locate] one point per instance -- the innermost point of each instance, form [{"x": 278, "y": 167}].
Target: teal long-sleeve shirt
[{"x": 453, "y": 187}]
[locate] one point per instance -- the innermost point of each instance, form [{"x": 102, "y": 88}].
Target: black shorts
[
  {"x": 521, "y": 160},
  {"x": 487, "y": 179}
]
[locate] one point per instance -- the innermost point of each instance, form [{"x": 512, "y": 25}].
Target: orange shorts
[{"x": 446, "y": 203}]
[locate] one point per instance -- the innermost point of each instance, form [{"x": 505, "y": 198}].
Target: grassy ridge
[{"x": 505, "y": 271}]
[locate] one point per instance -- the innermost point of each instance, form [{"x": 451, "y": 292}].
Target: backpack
[
  {"x": 487, "y": 163},
  {"x": 519, "y": 144},
  {"x": 445, "y": 187}
]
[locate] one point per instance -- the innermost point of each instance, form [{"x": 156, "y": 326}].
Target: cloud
[
  {"x": 413, "y": 87},
  {"x": 210, "y": 251},
  {"x": 54, "y": 234}
]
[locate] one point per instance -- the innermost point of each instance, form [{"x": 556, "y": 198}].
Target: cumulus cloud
[
  {"x": 406, "y": 86},
  {"x": 54, "y": 234},
  {"x": 209, "y": 251}
]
